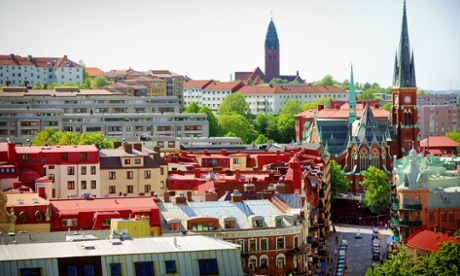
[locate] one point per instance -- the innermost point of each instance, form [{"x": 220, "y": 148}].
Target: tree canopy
[
  {"x": 214, "y": 130},
  {"x": 339, "y": 182},
  {"x": 191, "y": 108},
  {"x": 377, "y": 190},
  {"x": 100, "y": 81},
  {"x": 235, "y": 103},
  {"x": 308, "y": 105},
  {"x": 53, "y": 137}
]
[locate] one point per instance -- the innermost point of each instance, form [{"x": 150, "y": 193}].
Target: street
[{"x": 359, "y": 252}]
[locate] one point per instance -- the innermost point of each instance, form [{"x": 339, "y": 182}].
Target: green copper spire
[
  {"x": 271, "y": 39},
  {"x": 352, "y": 99},
  {"x": 404, "y": 71}
]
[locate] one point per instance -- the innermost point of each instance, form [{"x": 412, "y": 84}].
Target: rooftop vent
[{"x": 88, "y": 247}]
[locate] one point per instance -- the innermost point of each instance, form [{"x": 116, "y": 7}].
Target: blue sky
[{"x": 211, "y": 39}]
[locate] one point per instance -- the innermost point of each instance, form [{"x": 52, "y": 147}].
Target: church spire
[
  {"x": 352, "y": 99},
  {"x": 272, "y": 53},
  {"x": 404, "y": 71}
]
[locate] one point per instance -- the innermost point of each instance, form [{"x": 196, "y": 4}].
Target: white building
[
  {"x": 270, "y": 99},
  {"x": 27, "y": 71}
]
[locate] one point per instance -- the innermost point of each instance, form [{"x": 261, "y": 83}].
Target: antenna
[{"x": 271, "y": 15}]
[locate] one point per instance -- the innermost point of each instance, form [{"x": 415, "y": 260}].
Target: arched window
[
  {"x": 264, "y": 262},
  {"x": 363, "y": 159},
  {"x": 38, "y": 216},
  {"x": 22, "y": 216},
  {"x": 354, "y": 158},
  {"x": 280, "y": 260},
  {"x": 252, "y": 263},
  {"x": 376, "y": 158}
]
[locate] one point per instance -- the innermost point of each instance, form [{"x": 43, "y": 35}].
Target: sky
[{"x": 211, "y": 39}]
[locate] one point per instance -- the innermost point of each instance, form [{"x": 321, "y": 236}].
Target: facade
[
  {"x": 113, "y": 114},
  {"x": 193, "y": 91},
  {"x": 130, "y": 169},
  {"x": 215, "y": 92},
  {"x": 187, "y": 255},
  {"x": 270, "y": 239},
  {"x": 140, "y": 86},
  {"x": 27, "y": 71},
  {"x": 425, "y": 195},
  {"x": 270, "y": 99},
  {"x": 437, "y": 120},
  {"x": 174, "y": 83},
  {"x": 97, "y": 213}
]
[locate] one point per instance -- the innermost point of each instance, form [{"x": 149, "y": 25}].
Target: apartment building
[
  {"x": 193, "y": 91},
  {"x": 27, "y": 71},
  {"x": 270, "y": 98},
  {"x": 26, "y": 112},
  {"x": 140, "y": 86},
  {"x": 130, "y": 169},
  {"x": 174, "y": 83}
]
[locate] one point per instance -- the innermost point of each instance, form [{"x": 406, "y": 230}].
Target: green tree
[
  {"x": 46, "y": 137},
  {"x": 53, "y": 137},
  {"x": 324, "y": 101},
  {"x": 377, "y": 189},
  {"x": 38, "y": 86},
  {"x": 96, "y": 138},
  {"x": 367, "y": 95},
  {"x": 271, "y": 130},
  {"x": 236, "y": 124},
  {"x": 446, "y": 261},
  {"x": 339, "y": 182},
  {"x": 401, "y": 264},
  {"x": 454, "y": 135},
  {"x": 100, "y": 81},
  {"x": 213, "y": 122},
  {"x": 262, "y": 120},
  {"x": 69, "y": 138},
  {"x": 327, "y": 80},
  {"x": 345, "y": 85},
  {"x": 261, "y": 139},
  {"x": 191, "y": 108},
  {"x": 235, "y": 102},
  {"x": 387, "y": 107},
  {"x": 291, "y": 108},
  {"x": 51, "y": 85},
  {"x": 278, "y": 81},
  {"x": 286, "y": 129}
]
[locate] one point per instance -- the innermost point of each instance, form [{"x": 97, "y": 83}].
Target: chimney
[
  {"x": 41, "y": 192},
  {"x": 237, "y": 175},
  {"x": 128, "y": 148},
  {"x": 376, "y": 105},
  {"x": 138, "y": 146},
  {"x": 11, "y": 153},
  {"x": 116, "y": 144},
  {"x": 320, "y": 107},
  {"x": 189, "y": 196},
  {"x": 16, "y": 185},
  {"x": 65, "y": 56},
  {"x": 29, "y": 57},
  {"x": 197, "y": 172},
  {"x": 166, "y": 197},
  {"x": 249, "y": 187},
  {"x": 210, "y": 196},
  {"x": 236, "y": 196},
  {"x": 224, "y": 152},
  {"x": 180, "y": 199},
  {"x": 183, "y": 153},
  {"x": 156, "y": 149},
  {"x": 280, "y": 188},
  {"x": 205, "y": 152}
]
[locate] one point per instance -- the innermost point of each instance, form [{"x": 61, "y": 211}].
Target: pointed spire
[
  {"x": 404, "y": 71},
  {"x": 352, "y": 99},
  {"x": 271, "y": 39}
]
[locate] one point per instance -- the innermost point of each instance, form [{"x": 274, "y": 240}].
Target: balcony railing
[
  {"x": 413, "y": 206},
  {"x": 410, "y": 223}
]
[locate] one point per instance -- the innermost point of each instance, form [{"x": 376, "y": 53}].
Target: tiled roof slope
[{"x": 428, "y": 240}]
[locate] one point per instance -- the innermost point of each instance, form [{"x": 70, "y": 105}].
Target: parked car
[
  {"x": 345, "y": 242},
  {"x": 375, "y": 256},
  {"x": 358, "y": 235}
]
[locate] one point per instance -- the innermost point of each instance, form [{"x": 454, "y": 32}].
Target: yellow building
[{"x": 136, "y": 228}]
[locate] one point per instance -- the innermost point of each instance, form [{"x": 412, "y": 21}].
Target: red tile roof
[
  {"x": 145, "y": 203},
  {"x": 93, "y": 71},
  {"x": 428, "y": 240},
  {"x": 223, "y": 86},
  {"x": 47, "y": 62},
  {"x": 196, "y": 83},
  {"x": 438, "y": 142},
  {"x": 342, "y": 113},
  {"x": 37, "y": 149}
]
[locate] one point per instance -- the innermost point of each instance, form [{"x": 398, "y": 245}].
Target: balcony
[
  {"x": 321, "y": 193},
  {"x": 410, "y": 223},
  {"x": 413, "y": 206}
]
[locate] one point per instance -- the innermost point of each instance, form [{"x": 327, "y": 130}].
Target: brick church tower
[
  {"x": 404, "y": 95},
  {"x": 272, "y": 53}
]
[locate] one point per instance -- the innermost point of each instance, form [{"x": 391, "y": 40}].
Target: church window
[
  {"x": 376, "y": 158},
  {"x": 363, "y": 160}
]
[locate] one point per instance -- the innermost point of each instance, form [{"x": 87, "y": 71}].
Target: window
[
  {"x": 70, "y": 170},
  {"x": 88, "y": 270},
  {"x": 83, "y": 184},
  {"x": 296, "y": 242},
  {"x": 263, "y": 244},
  {"x": 279, "y": 243},
  {"x": 444, "y": 216},
  {"x": 22, "y": 217},
  {"x": 241, "y": 243},
  {"x": 33, "y": 271},
  {"x": 147, "y": 188},
  {"x": 257, "y": 223},
  {"x": 229, "y": 224},
  {"x": 129, "y": 189},
  {"x": 93, "y": 169},
  {"x": 112, "y": 175},
  {"x": 208, "y": 267},
  {"x": 51, "y": 176},
  {"x": 106, "y": 221},
  {"x": 129, "y": 175},
  {"x": 93, "y": 184},
  {"x": 162, "y": 184},
  {"x": 279, "y": 222},
  {"x": 83, "y": 156},
  {"x": 71, "y": 185},
  {"x": 115, "y": 269},
  {"x": 72, "y": 270},
  {"x": 236, "y": 161},
  {"x": 173, "y": 226},
  {"x": 162, "y": 171},
  {"x": 112, "y": 190},
  {"x": 417, "y": 200},
  {"x": 25, "y": 156},
  {"x": 264, "y": 263},
  {"x": 137, "y": 161},
  {"x": 127, "y": 161},
  {"x": 406, "y": 200},
  {"x": 280, "y": 262},
  {"x": 252, "y": 264},
  {"x": 252, "y": 245},
  {"x": 147, "y": 174},
  {"x": 38, "y": 216},
  {"x": 64, "y": 156},
  {"x": 144, "y": 268},
  {"x": 170, "y": 266},
  {"x": 83, "y": 170}
]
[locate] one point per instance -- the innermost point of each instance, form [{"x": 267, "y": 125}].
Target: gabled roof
[
  {"x": 223, "y": 86},
  {"x": 93, "y": 71},
  {"x": 438, "y": 142},
  {"x": 428, "y": 240},
  {"x": 290, "y": 89},
  {"x": 46, "y": 62},
  {"x": 196, "y": 83},
  {"x": 367, "y": 128}
]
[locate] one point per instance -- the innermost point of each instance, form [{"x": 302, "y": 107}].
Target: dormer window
[
  {"x": 127, "y": 161},
  {"x": 257, "y": 222}
]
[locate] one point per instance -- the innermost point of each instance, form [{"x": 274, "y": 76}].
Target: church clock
[{"x": 407, "y": 99}]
